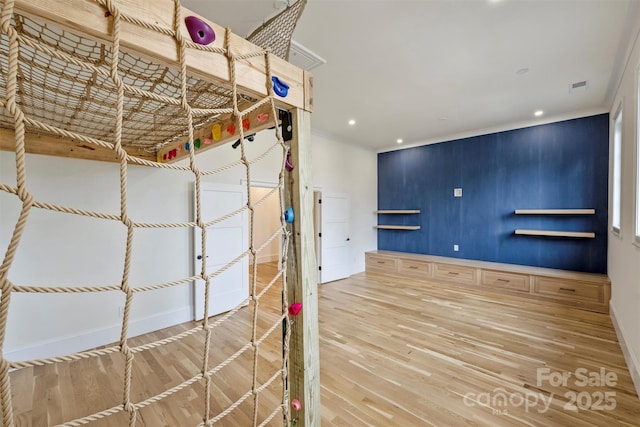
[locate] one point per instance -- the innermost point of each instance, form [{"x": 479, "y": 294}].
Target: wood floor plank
[{"x": 394, "y": 352}]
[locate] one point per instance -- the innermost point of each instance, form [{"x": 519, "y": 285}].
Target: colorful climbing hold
[
  {"x": 164, "y": 156},
  {"x": 187, "y": 146},
  {"x": 262, "y": 117},
  {"x": 173, "y": 153},
  {"x": 231, "y": 129},
  {"x": 207, "y": 141},
  {"x": 294, "y": 309},
  {"x": 196, "y": 143},
  {"x": 279, "y": 87},
  {"x": 245, "y": 124},
  {"x": 200, "y": 31},
  {"x": 296, "y": 405},
  {"x": 288, "y": 215},
  {"x": 179, "y": 148},
  {"x": 216, "y": 132},
  {"x": 287, "y": 163}
]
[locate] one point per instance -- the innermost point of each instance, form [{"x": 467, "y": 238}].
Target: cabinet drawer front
[
  {"x": 502, "y": 280},
  {"x": 413, "y": 267},
  {"x": 381, "y": 264},
  {"x": 456, "y": 273},
  {"x": 569, "y": 289}
]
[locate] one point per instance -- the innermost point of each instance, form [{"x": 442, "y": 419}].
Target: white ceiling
[{"x": 434, "y": 70}]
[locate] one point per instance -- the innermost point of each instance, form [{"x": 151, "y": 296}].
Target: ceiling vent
[
  {"x": 303, "y": 58},
  {"x": 578, "y": 87}
]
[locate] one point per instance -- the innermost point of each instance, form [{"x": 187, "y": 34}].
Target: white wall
[
  {"x": 68, "y": 250},
  {"x": 623, "y": 254},
  {"x": 353, "y": 170},
  {"x": 266, "y": 222}
]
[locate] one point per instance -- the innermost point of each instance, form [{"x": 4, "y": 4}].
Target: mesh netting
[
  {"x": 54, "y": 81},
  {"x": 276, "y": 33},
  {"x": 64, "y": 81}
]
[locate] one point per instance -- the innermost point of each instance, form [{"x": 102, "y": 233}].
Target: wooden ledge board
[
  {"x": 398, "y": 211},
  {"x": 206, "y": 137},
  {"x": 61, "y": 147},
  {"x": 87, "y": 18},
  {"x": 553, "y": 233},
  {"x": 555, "y": 211},
  {"x": 398, "y": 227}
]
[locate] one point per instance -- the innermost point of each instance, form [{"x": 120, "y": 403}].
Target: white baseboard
[
  {"x": 633, "y": 363},
  {"x": 99, "y": 337}
]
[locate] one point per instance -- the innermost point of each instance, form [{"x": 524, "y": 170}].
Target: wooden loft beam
[
  {"x": 86, "y": 17},
  {"x": 302, "y": 278},
  {"x": 218, "y": 133},
  {"x": 55, "y": 146}
]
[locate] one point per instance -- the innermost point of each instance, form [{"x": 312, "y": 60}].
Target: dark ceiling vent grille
[{"x": 578, "y": 86}]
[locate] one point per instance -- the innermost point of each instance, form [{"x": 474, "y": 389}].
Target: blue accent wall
[{"x": 561, "y": 165}]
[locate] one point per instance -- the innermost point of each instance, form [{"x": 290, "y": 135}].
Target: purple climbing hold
[
  {"x": 200, "y": 31},
  {"x": 287, "y": 164}
]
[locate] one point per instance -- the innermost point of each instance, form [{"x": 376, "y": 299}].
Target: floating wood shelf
[
  {"x": 555, "y": 211},
  {"x": 398, "y": 211},
  {"x": 581, "y": 234},
  {"x": 398, "y": 227}
]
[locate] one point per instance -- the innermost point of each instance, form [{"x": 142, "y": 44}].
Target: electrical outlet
[
  {"x": 457, "y": 192},
  {"x": 456, "y": 248}
]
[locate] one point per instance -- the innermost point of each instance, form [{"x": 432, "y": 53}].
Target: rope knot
[
  {"x": 130, "y": 407},
  {"x": 25, "y": 196},
  {"x": 126, "y": 220}
]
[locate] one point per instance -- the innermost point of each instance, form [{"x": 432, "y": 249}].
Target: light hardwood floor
[{"x": 394, "y": 352}]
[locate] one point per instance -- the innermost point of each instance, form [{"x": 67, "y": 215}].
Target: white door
[
  {"x": 226, "y": 240},
  {"x": 335, "y": 237}
]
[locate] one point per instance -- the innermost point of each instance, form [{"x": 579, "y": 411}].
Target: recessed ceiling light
[
  {"x": 399, "y": 140},
  {"x": 538, "y": 113},
  {"x": 351, "y": 122},
  {"x": 522, "y": 71}
]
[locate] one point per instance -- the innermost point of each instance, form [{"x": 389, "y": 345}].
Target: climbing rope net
[{"x": 58, "y": 83}]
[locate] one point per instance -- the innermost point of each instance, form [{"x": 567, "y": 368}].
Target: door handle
[
  {"x": 200, "y": 256},
  {"x": 348, "y": 239}
]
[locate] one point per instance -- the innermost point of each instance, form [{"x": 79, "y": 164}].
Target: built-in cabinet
[{"x": 584, "y": 290}]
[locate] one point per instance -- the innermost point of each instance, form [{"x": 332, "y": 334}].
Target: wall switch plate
[
  {"x": 457, "y": 192},
  {"x": 456, "y": 248}
]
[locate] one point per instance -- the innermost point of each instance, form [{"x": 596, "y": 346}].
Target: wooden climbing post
[{"x": 302, "y": 277}]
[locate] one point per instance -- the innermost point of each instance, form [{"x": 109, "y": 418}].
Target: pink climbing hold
[
  {"x": 296, "y": 405},
  {"x": 262, "y": 117},
  {"x": 287, "y": 164},
  {"x": 200, "y": 31},
  {"x": 295, "y": 308}
]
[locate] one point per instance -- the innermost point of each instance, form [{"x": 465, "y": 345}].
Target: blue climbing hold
[
  {"x": 288, "y": 216},
  {"x": 279, "y": 87}
]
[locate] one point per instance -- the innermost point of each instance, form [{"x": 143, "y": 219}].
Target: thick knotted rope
[{"x": 105, "y": 73}]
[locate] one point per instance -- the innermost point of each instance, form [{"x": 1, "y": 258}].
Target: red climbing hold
[
  {"x": 296, "y": 405},
  {"x": 245, "y": 124},
  {"x": 295, "y": 308},
  {"x": 231, "y": 130},
  {"x": 262, "y": 117}
]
